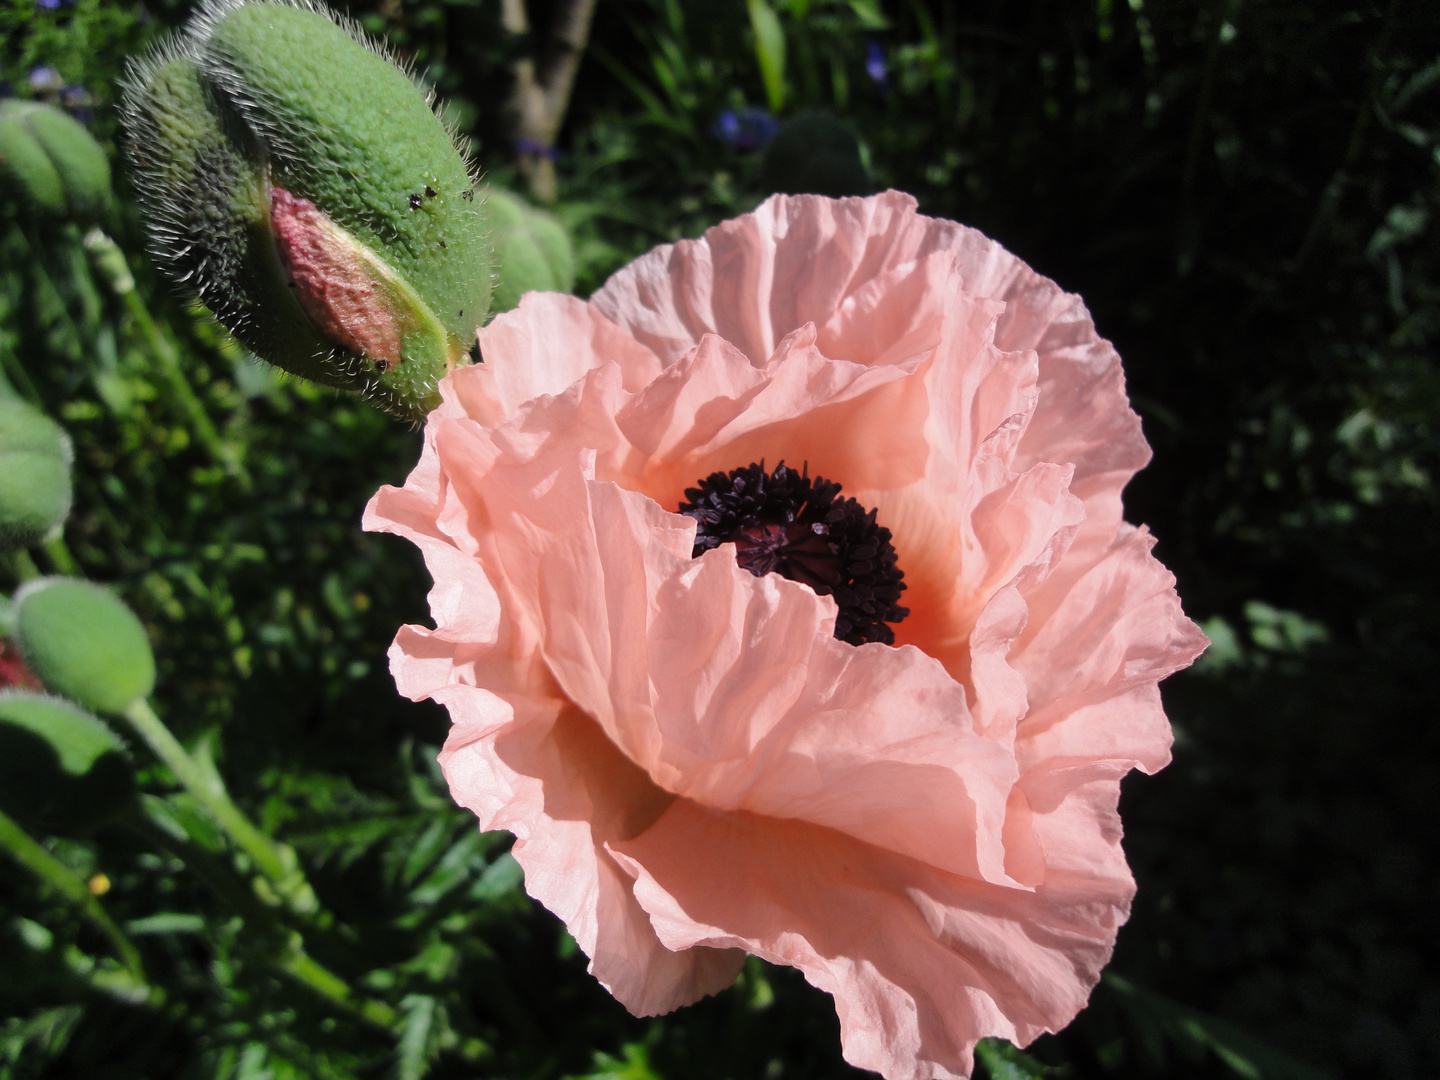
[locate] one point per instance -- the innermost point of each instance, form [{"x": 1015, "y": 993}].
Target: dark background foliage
[{"x": 1246, "y": 195}]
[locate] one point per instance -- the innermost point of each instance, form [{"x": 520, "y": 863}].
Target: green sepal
[
  {"x": 62, "y": 771},
  {"x": 83, "y": 643}
]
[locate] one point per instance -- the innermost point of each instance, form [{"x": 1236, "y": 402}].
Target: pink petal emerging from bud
[{"x": 333, "y": 281}]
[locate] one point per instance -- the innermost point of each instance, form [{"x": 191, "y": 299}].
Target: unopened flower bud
[
  {"x": 49, "y": 157},
  {"x": 532, "y": 249},
  {"x": 815, "y": 153},
  {"x": 83, "y": 643},
  {"x": 299, "y": 184},
  {"x": 34, "y": 475}
]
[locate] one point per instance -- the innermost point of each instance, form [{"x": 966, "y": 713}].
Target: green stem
[
  {"x": 59, "y": 877},
  {"x": 303, "y": 968},
  {"x": 60, "y": 557},
  {"x": 269, "y": 857},
  {"x": 110, "y": 261},
  {"x": 25, "y": 568}
]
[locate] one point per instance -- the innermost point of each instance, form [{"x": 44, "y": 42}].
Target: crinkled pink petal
[
  {"x": 691, "y": 762},
  {"x": 542, "y": 347},
  {"x": 921, "y": 963},
  {"x": 810, "y": 256},
  {"x": 565, "y": 791},
  {"x": 768, "y": 712}
]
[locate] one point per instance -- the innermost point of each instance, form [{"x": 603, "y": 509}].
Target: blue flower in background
[
  {"x": 51, "y": 5},
  {"x": 535, "y": 149},
  {"x": 77, "y": 102},
  {"x": 749, "y": 129},
  {"x": 44, "y": 79},
  {"x": 875, "y": 63}
]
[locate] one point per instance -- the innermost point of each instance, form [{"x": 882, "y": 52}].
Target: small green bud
[
  {"x": 61, "y": 770},
  {"x": 35, "y": 461},
  {"x": 83, "y": 643},
  {"x": 532, "y": 249},
  {"x": 50, "y": 156},
  {"x": 813, "y": 153},
  {"x": 301, "y": 186}
]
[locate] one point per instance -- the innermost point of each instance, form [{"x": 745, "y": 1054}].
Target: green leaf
[
  {"x": 62, "y": 771},
  {"x": 43, "y": 1035},
  {"x": 769, "y": 50},
  {"x": 415, "y": 1050},
  {"x": 453, "y": 870},
  {"x": 79, "y": 739},
  {"x": 869, "y": 14},
  {"x": 167, "y": 922},
  {"x": 1160, "y": 1020},
  {"x": 1005, "y": 1061},
  {"x": 501, "y": 877},
  {"x": 634, "y": 1065}
]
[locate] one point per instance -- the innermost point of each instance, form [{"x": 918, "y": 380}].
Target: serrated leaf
[
  {"x": 1159, "y": 1020},
  {"x": 425, "y": 850},
  {"x": 414, "y": 1051},
  {"x": 1005, "y": 1061},
  {"x": 453, "y": 870},
  {"x": 501, "y": 877},
  {"x": 42, "y": 1035}
]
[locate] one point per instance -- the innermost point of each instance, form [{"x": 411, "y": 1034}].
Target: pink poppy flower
[{"x": 921, "y": 817}]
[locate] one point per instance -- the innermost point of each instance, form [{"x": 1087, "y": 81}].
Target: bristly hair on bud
[{"x": 300, "y": 184}]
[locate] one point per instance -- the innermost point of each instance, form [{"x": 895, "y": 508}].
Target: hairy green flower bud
[
  {"x": 532, "y": 249},
  {"x": 83, "y": 643},
  {"x": 301, "y": 186},
  {"x": 814, "y": 153},
  {"x": 35, "y": 489},
  {"x": 61, "y": 770},
  {"x": 53, "y": 160}
]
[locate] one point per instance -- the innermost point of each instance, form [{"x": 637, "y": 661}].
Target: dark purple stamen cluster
[{"x": 783, "y": 521}]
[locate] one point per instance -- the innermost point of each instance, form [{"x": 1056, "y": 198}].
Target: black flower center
[{"x": 784, "y": 522}]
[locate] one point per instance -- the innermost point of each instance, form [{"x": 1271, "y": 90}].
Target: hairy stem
[
  {"x": 109, "y": 262},
  {"x": 276, "y": 863}
]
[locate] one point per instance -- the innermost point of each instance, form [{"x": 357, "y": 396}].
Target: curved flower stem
[
  {"x": 275, "y": 861},
  {"x": 59, "y": 877},
  {"x": 23, "y": 566},
  {"x": 60, "y": 558}
]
